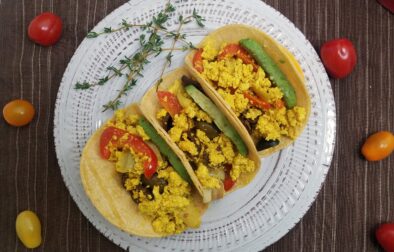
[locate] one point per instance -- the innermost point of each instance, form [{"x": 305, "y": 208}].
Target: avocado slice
[
  {"x": 164, "y": 148},
  {"x": 218, "y": 117}
]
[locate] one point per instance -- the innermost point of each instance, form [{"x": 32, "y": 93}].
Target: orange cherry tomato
[
  {"x": 18, "y": 112},
  {"x": 28, "y": 229},
  {"x": 197, "y": 61},
  {"x": 378, "y": 146}
]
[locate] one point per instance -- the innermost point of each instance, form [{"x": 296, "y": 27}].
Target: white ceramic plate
[{"x": 251, "y": 218}]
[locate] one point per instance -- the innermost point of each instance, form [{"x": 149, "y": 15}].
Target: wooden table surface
[{"x": 355, "y": 198}]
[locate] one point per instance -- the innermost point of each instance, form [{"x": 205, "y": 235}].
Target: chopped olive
[
  {"x": 188, "y": 81},
  {"x": 247, "y": 124},
  {"x": 147, "y": 191},
  {"x": 154, "y": 181},
  {"x": 265, "y": 144},
  {"x": 210, "y": 130},
  {"x": 167, "y": 122}
]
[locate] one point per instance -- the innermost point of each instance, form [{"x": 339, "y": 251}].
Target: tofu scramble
[
  {"x": 212, "y": 155},
  {"x": 165, "y": 197},
  {"x": 247, "y": 89}
]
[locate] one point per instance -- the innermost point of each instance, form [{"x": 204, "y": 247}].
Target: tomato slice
[
  {"x": 256, "y": 101},
  {"x": 197, "y": 61},
  {"x": 113, "y": 134},
  {"x": 110, "y": 134},
  {"x": 169, "y": 102},
  {"x": 235, "y": 50},
  {"x": 138, "y": 145}
]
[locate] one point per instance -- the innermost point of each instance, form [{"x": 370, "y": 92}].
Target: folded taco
[
  {"x": 215, "y": 155},
  {"x": 256, "y": 81},
  {"x": 136, "y": 181}
]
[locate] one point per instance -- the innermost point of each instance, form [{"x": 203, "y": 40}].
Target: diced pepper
[
  {"x": 256, "y": 101},
  {"x": 197, "y": 61},
  {"x": 169, "y": 102},
  {"x": 113, "y": 135}
]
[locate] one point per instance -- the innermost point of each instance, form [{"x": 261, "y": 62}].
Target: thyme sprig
[{"x": 151, "y": 42}]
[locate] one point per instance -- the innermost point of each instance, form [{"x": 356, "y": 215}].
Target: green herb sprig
[{"x": 151, "y": 45}]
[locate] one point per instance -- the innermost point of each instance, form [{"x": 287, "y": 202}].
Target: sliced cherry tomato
[
  {"x": 256, "y": 101},
  {"x": 378, "y": 146},
  {"x": 235, "y": 50},
  {"x": 113, "y": 135},
  {"x": 169, "y": 102},
  {"x": 339, "y": 57},
  {"x": 389, "y": 4},
  {"x": 45, "y": 29},
  {"x": 18, "y": 112},
  {"x": 385, "y": 236},
  {"x": 197, "y": 61}
]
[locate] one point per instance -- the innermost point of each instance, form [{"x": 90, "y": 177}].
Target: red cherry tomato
[
  {"x": 197, "y": 61},
  {"x": 18, "y": 112},
  {"x": 112, "y": 134},
  {"x": 389, "y": 4},
  {"x": 385, "y": 236},
  {"x": 45, "y": 29},
  {"x": 339, "y": 57},
  {"x": 169, "y": 102}
]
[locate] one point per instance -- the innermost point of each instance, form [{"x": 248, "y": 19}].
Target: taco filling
[
  {"x": 264, "y": 102},
  {"x": 160, "y": 192},
  {"x": 217, "y": 159}
]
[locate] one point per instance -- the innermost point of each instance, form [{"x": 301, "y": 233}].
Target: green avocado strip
[
  {"x": 164, "y": 148},
  {"x": 218, "y": 117},
  {"x": 274, "y": 72}
]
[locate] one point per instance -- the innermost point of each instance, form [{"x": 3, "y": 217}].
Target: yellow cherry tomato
[
  {"x": 28, "y": 229},
  {"x": 378, "y": 146},
  {"x": 18, "y": 112}
]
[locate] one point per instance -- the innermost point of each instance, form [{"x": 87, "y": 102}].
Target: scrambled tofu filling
[
  {"x": 166, "y": 197},
  {"x": 231, "y": 78},
  {"x": 210, "y": 156}
]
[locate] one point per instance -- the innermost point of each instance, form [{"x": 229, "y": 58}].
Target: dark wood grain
[{"x": 355, "y": 198}]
